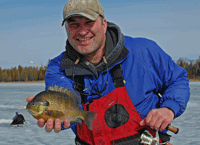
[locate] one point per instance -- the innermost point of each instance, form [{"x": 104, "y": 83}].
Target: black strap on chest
[
  {"x": 116, "y": 72},
  {"x": 117, "y": 76},
  {"x": 80, "y": 85}
]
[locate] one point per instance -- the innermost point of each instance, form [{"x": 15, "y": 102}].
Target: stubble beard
[{"x": 95, "y": 47}]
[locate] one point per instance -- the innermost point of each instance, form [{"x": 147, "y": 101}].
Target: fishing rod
[
  {"x": 35, "y": 63},
  {"x": 169, "y": 127}
]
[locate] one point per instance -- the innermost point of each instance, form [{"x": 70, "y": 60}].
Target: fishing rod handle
[{"x": 172, "y": 129}]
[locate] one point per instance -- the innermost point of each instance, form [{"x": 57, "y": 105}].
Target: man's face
[{"x": 86, "y": 36}]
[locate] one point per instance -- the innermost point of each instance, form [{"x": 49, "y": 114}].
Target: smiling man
[
  {"x": 119, "y": 77},
  {"x": 87, "y": 36}
]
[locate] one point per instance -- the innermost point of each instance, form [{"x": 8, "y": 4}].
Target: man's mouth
[{"x": 83, "y": 39}]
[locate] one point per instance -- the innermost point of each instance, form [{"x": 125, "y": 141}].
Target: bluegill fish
[{"x": 60, "y": 102}]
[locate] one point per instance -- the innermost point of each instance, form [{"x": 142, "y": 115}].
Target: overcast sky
[{"x": 31, "y": 30}]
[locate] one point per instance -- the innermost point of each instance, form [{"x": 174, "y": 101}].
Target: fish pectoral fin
[{"x": 55, "y": 113}]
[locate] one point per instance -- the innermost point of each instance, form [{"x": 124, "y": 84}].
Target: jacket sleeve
[
  {"x": 170, "y": 79},
  {"x": 55, "y": 76},
  {"x": 176, "y": 91}
]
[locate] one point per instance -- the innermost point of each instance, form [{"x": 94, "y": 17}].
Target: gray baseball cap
[{"x": 90, "y": 9}]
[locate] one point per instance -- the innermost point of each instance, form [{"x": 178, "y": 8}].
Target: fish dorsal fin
[{"x": 69, "y": 92}]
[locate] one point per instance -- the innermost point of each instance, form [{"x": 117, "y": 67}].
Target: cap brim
[{"x": 90, "y": 15}]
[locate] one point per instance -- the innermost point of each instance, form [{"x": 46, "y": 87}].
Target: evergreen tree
[{"x": 0, "y": 75}]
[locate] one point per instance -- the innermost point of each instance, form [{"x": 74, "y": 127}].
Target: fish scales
[{"x": 60, "y": 102}]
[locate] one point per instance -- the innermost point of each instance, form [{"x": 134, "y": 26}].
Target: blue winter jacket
[{"x": 147, "y": 71}]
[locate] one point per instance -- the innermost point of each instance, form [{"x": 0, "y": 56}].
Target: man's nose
[{"x": 82, "y": 30}]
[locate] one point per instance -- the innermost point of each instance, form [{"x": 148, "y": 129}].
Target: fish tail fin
[{"x": 90, "y": 116}]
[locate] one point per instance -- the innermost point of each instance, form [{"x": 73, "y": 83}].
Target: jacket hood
[{"x": 114, "y": 49}]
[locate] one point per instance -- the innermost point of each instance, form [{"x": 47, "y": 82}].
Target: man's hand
[
  {"x": 158, "y": 119},
  {"x": 50, "y": 124}
]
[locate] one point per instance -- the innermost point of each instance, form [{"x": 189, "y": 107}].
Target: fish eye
[{"x": 46, "y": 103}]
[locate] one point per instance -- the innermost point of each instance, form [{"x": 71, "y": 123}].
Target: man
[{"x": 118, "y": 77}]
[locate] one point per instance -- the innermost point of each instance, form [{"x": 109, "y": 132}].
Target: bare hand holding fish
[
  {"x": 50, "y": 123},
  {"x": 56, "y": 106}
]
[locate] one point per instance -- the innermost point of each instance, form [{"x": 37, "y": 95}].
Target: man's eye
[
  {"x": 90, "y": 22},
  {"x": 74, "y": 25}
]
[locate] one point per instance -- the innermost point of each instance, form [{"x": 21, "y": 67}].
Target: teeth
[{"x": 83, "y": 39}]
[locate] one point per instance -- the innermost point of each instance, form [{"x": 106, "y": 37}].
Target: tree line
[
  {"x": 25, "y": 74},
  {"x": 22, "y": 74},
  {"x": 192, "y": 67}
]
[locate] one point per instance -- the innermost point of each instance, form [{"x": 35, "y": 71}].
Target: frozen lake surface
[{"x": 13, "y": 98}]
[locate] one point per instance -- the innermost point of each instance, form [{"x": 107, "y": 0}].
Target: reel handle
[{"x": 173, "y": 129}]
